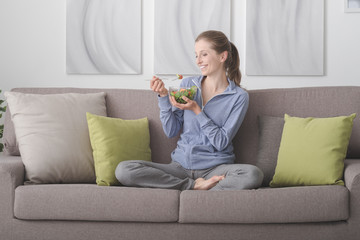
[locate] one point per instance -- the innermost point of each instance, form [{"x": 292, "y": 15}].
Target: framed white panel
[
  {"x": 285, "y": 37},
  {"x": 352, "y": 5},
  {"x": 103, "y": 37},
  {"x": 177, "y": 24}
]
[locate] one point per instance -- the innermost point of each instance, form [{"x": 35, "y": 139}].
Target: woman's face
[{"x": 208, "y": 60}]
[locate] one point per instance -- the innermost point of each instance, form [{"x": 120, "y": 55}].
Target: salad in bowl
[{"x": 179, "y": 92}]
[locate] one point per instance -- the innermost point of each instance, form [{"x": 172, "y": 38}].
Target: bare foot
[{"x": 202, "y": 184}]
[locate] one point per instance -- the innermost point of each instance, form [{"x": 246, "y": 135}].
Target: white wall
[{"x": 32, "y": 48}]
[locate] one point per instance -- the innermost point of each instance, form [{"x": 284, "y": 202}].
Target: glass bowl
[{"x": 179, "y": 92}]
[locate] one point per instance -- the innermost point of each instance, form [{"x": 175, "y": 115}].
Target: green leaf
[{"x": 1, "y": 131}]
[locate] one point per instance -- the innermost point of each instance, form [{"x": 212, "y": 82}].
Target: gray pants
[{"x": 137, "y": 173}]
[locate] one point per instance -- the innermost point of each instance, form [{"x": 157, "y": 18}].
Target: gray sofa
[{"x": 88, "y": 211}]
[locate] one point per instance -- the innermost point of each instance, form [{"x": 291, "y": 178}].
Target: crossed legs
[{"x": 137, "y": 173}]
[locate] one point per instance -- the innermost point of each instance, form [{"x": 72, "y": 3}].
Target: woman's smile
[{"x": 202, "y": 67}]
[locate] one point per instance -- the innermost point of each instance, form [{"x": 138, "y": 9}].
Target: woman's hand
[
  {"x": 189, "y": 105},
  {"x": 158, "y": 86}
]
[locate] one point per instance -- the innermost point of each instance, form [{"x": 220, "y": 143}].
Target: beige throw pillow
[{"x": 53, "y": 135}]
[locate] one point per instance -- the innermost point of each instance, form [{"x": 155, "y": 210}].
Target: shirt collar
[{"x": 230, "y": 89}]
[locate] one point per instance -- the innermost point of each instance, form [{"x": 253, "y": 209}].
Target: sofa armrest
[
  {"x": 12, "y": 166},
  {"x": 352, "y": 174},
  {"x": 352, "y": 182},
  {"x": 12, "y": 173}
]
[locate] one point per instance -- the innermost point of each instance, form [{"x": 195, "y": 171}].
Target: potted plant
[{"x": 2, "y": 109}]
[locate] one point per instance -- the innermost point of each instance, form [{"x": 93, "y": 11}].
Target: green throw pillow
[
  {"x": 114, "y": 140},
  {"x": 312, "y": 151}
]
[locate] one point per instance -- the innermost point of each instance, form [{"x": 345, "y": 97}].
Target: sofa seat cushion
[
  {"x": 95, "y": 203},
  {"x": 281, "y": 205}
]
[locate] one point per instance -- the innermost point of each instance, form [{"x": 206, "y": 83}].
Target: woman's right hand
[{"x": 158, "y": 86}]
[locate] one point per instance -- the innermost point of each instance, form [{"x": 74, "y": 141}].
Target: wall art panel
[
  {"x": 177, "y": 24},
  {"x": 285, "y": 37},
  {"x": 103, "y": 37},
  {"x": 352, "y": 6}
]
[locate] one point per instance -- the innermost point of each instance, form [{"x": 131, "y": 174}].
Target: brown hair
[{"x": 220, "y": 43}]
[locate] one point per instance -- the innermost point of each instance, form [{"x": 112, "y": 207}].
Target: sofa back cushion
[
  {"x": 120, "y": 103},
  {"x": 300, "y": 102}
]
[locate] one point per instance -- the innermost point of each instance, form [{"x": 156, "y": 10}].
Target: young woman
[{"x": 204, "y": 157}]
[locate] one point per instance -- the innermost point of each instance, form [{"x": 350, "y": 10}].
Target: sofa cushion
[
  {"x": 277, "y": 205},
  {"x": 53, "y": 135},
  {"x": 117, "y": 106},
  {"x": 114, "y": 140},
  {"x": 90, "y": 202},
  {"x": 270, "y": 131},
  {"x": 302, "y": 102},
  {"x": 312, "y": 151}
]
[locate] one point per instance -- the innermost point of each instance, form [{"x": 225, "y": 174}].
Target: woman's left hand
[{"x": 189, "y": 105}]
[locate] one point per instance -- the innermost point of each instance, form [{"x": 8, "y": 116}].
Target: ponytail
[{"x": 232, "y": 65}]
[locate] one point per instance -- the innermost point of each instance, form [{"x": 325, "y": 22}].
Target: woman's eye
[{"x": 202, "y": 55}]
